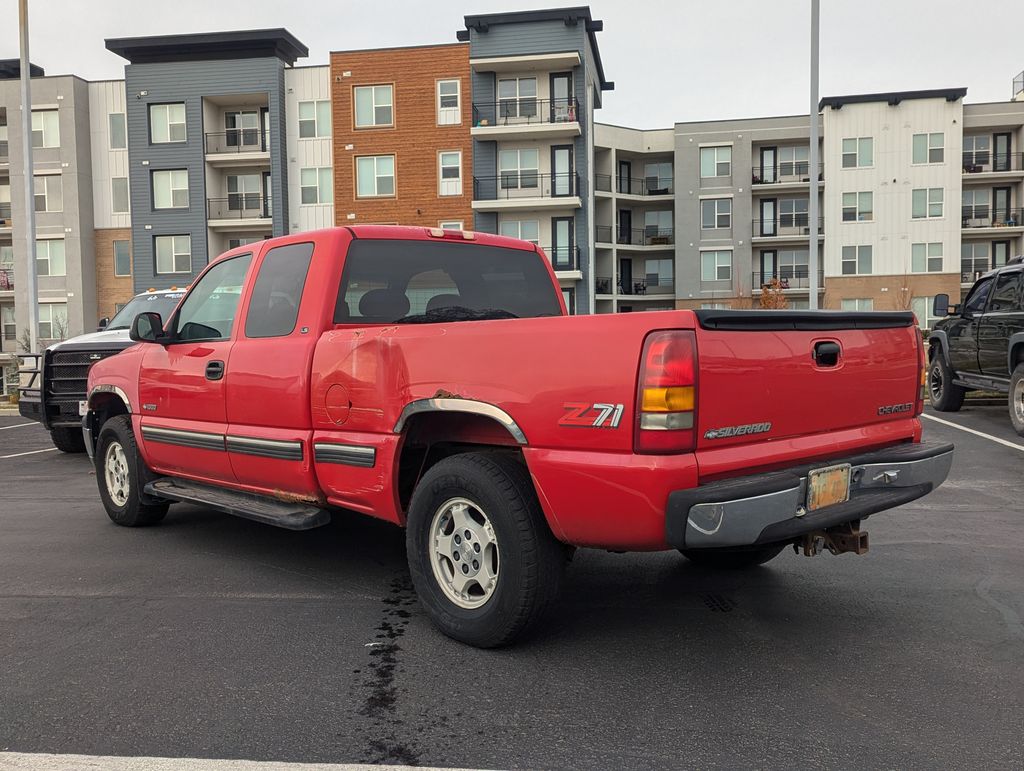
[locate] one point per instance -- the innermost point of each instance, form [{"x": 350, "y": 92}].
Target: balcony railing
[
  {"x": 5, "y": 215},
  {"x": 525, "y": 111},
  {"x": 246, "y": 140},
  {"x": 650, "y": 236},
  {"x": 525, "y": 183},
  {"x": 634, "y": 185},
  {"x": 792, "y": 277},
  {"x": 6, "y": 279},
  {"x": 978, "y": 161},
  {"x": 984, "y": 217},
  {"x": 785, "y": 225},
  {"x": 4, "y": 152},
  {"x": 563, "y": 257},
  {"x": 785, "y": 172},
  {"x": 972, "y": 270},
  {"x": 240, "y": 206},
  {"x": 641, "y": 286}
]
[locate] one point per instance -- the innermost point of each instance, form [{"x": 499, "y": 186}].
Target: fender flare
[
  {"x": 104, "y": 388},
  {"x": 461, "y": 405},
  {"x": 1016, "y": 340},
  {"x": 942, "y": 342}
]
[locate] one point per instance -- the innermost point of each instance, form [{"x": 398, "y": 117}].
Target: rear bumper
[{"x": 769, "y": 508}]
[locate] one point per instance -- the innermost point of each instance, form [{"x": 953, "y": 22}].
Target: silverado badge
[{"x": 728, "y": 431}]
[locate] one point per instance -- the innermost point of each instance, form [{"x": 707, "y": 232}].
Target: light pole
[
  {"x": 30, "y": 208},
  {"x": 812, "y": 203}
]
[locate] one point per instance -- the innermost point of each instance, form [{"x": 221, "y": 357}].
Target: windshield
[{"x": 162, "y": 303}]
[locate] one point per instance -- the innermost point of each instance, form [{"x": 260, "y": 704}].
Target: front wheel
[
  {"x": 733, "y": 559},
  {"x": 483, "y": 561},
  {"x": 121, "y": 474},
  {"x": 1017, "y": 398},
  {"x": 945, "y": 396},
  {"x": 68, "y": 440}
]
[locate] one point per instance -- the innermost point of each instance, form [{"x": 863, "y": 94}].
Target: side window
[
  {"x": 208, "y": 313},
  {"x": 975, "y": 302},
  {"x": 274, "y": 306},
  {"x": 1006, "y": 295}
]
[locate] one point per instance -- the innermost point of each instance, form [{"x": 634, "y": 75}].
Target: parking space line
[
  {"x": 24, "y": 761},
  {"x": 30, "y": 452},
  {"x": 18, "y": 425},
  {"x": 995, "y": 439}
]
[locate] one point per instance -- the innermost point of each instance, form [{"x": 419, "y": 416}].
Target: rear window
[{"x": 408, "y": 282}]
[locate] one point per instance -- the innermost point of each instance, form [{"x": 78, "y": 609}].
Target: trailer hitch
[{"x": 840, "y": 539}]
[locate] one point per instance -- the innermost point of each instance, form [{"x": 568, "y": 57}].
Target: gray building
[{"x": 206, "y": 130}]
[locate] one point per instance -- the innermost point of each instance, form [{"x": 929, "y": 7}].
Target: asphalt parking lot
[{"x": 215, "y": 637}]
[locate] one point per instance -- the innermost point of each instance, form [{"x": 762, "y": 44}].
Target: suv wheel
[
  {"x": 945, "y": 396},
  {"x": 68, "y": 439},
  {"x": 1017, "y": 399},
  {"x": 121, "y": 476}
]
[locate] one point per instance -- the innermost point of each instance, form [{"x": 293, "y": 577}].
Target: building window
[
  {"x": 122, "y": 258},
  {"x": 314, "y": 119},
  {"x": 858, "y": 304},
  {"x": 118, "y": 133},
  {"x": 569, "y": 296},
  {"x": 517, "y": 98},
  {"x": 518, "y": 168},
  {"x": 927, "y": 203},
  {"x": 657, "y": 227},
  {"x": 929, "y": 148},
  {"x": 922, "y": 307},
  {"x": 173, "y": 254},
  {"x": 449, "y": 172},
  {"x": 793, "y": 161},
  {"x": 793, "y": 213},
  {"x": 234, "y": 243},
  {"x": 449, "y": 93},
  {"x": 974, "y": 203},
  {"x": 50, "y": 257},
  {"x": 715, "y": 162},
  {"x": 926, "y": 258},
  {"x": 856, "y": 260},
  {"x": 170, "y": 189},
  {"x": 658, "y": 178},
  {"x": 119, "y": 195},
  {"x": 451, "y": 225},
  {"x": 316, "y": 185},
  {"x": 791, "y": 264},
  {"x": 659, "y": 272},
  {"x": 716, "y": 265},
  {"x": 714, "y": 306},
  {"x": 974, "y": 260},
  {"x": 167, "y": 123},
  {"x": 10, "y": 326},
  {"x": 977, "y": 152},
  {"x": 245, "y": 194},
  {"x": 374, "y": 106},
  {"x": 375, "y": 176},
  {"x": 49, "y": 193},
  {"x": 53, "y": 321},
  {"x": 715, "y": 213},
  {"x": 858, "y": 152},
  {"x": 526, "y": 230},
  {"x": 45, "y": 128},
  {"x": 858, "y": 207}
]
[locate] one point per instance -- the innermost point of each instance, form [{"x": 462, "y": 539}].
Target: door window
[
  {"x": 208, "y": 313},
  {"x": 276, "y": 295},
  {"x": 1006, "y": 295},
  {"x": 975, "y": 302}
]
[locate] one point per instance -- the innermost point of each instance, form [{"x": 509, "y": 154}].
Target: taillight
[
  {"x": 666, "y": 394},
  {"x": 922, "y": 374}
]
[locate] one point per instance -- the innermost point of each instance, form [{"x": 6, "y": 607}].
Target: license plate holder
[{"x": 828, "y": 486}]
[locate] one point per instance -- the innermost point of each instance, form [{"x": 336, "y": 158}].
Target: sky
[{"x": 670, "y": 61}]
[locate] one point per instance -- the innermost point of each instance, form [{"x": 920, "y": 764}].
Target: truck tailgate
[{"x": 761, "y": 380}]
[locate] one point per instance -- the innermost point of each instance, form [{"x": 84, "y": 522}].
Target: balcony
[
  {"x": 6, "y": 279},
  {"x": 564, "y": 259},
  {"x": 985, "y": 162},
  {"x": 658, "y": 286},
  {"x": 526, "y": 189},
  {"x": 526, "y": 118},
  {"x": 794, "y": 174},
  {"x": 785, "y": 227},
  {"x": 791, "y": 277},
  {"x": 974, "y": 217},
  {"x": 658, "y": 238},
  {"x": 635, "y": 186},
  {"x": 5, "y": 157},
  {"x": 5, "y": 216},
  {"x": 237, "y": 147},
  {"x": 240, "y": 211}
]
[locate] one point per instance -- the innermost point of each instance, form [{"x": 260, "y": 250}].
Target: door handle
[
  {"x": 826, "y": 353},
  {"x": 214, "y": 370}
]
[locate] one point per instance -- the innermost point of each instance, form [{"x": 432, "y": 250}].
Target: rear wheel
[
  {"x": 68, "y": 439},
  {"x": 945, "y": 396},
  {"x": 121, "y": 476},
  {"x": 1017, "y": 398},
  {"x": 733, "y": 559}
]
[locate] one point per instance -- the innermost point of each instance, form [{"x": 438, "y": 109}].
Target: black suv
[{"x": 981, "y": 343}]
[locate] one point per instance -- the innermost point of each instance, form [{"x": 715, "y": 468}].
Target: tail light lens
[
  {"x": 666, "y": 394},
  {"x": 922, "y": 373}
]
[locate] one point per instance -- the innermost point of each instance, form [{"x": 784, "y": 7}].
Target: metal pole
[
  {"x": 812, "y": 203},
  {"x": 30, "y": 208}
]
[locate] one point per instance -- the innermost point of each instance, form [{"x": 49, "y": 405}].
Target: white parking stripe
[
  {"x": 31, "y": 452},
  {"x": 24, "y": 761},
  {"x": 995, "y": 439},
  {"x": 18, "y": 425}
]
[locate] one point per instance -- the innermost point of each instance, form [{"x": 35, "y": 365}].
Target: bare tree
[
  {"x": 904, "y": 297},
  {"x": 25, "y": 341},
  {"x": 59, "y": 327}
]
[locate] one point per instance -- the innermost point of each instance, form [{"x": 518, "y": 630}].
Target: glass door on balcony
[
  {"x": 625, "y": 226},
  {"x": 626, "y": 275},
  {"x": 561, "y": 171},
  {"x": 769, "y": 266},
  {"x": 1001, "y": 206},
  {"x": 245, "y": 193},
  {"x": 562, "y": 243},
  {"x": 1001, "y": 145},
  {"x": 242, "y": 129},
  {"x": 768, "y": 160},
  {"x": 767, "y": 220},
  {"x": 1000, "y": 253},
  {"x": 625, "y": 174},
  {"x": 562, "y": 109}
]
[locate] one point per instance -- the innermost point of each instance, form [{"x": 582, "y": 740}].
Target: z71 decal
[{"x": 580, "y": 415}]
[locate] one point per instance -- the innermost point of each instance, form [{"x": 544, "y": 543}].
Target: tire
[
  {"x": 68, "y": 440},
  {"x": 944, "y": 396},
  {"x": 733, "y": 559},
  {"x": 519, "y": 567},
  {"x": 121, "y": 476},
  {"x": 1016, "y": 399}
]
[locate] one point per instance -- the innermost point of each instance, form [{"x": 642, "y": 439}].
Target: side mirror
[
  {"x": 102, "y": 324},
  {"x": 147, "y": 328},
  {"x": 940, "y": 305}
]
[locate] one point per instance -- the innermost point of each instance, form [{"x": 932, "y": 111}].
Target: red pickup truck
[{"x": 432, "y": 378}]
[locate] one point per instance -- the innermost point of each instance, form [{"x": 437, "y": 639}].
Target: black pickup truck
[{"x": 980, "y": 343}]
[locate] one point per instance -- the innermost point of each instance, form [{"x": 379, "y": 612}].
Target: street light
[
  {"x": 812, "y": 203},
  {"x": 30, "y": 208}
]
